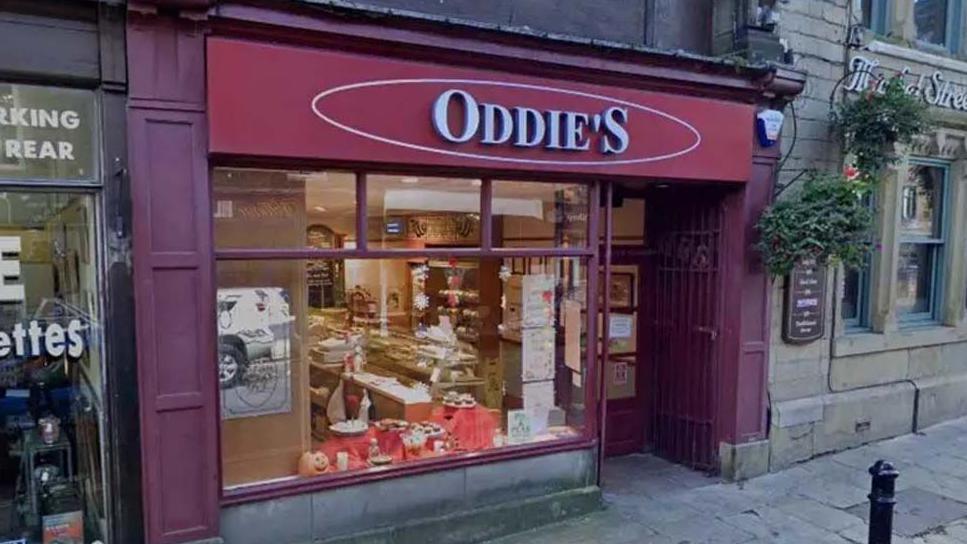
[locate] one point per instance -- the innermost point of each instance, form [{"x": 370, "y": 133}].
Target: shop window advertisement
[{"x": 51, "y": 403}]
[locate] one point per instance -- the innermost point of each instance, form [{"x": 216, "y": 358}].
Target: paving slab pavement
[{"x": 822, "y": 501}]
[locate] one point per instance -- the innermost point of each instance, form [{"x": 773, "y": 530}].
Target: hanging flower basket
[{"x": 827, "y": 220}]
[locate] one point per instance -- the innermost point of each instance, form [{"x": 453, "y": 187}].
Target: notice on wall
[
  {"x": 538, "y": 403},
  {"x": 620, "y": 373},
  {"x": 804, "y": 314},
  {"x": 47, "y": 133},
  {"x": 538, "y": 300},
  {"x": 537, "y": 354},
  {"x": 518, "y": 427},
  {"x": 620, "y": 326}
]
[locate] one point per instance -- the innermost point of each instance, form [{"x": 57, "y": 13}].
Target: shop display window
[
  {"x": 267, "y": 206},
  {"x": 422, "y": 211},
  {"x": 544, "y": 214},
  {"x": 51, "y": 404},
  {"x": 373, "y": 362}
]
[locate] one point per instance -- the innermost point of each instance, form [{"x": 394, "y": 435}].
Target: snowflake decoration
[
  {"x": 421, "y": 302},
  {"x": 504, "y": 273},
  {"x": 420, "y": 273}
]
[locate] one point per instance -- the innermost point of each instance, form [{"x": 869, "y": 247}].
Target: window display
[
  {"x": 51, "y": 405},
  {"x": 417, "y": 357}
]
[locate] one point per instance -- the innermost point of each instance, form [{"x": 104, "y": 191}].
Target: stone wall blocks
[
  {"x": 941, "y": 399},
  {"x": 796, "y": 412},
  {"x": 790, "y": 445},
  {"x": 926, "y": 361},
  {"x": 864, "y": 415},
  {"x": 869, "y": 369}
]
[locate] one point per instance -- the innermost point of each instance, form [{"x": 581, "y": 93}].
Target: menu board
[{"x": 804, "y": 315}]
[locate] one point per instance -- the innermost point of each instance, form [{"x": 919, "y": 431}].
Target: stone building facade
[{"x": 894, "y": 356}]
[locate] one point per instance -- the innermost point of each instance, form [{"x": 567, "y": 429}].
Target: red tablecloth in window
[{"x": 473, "y": 428}]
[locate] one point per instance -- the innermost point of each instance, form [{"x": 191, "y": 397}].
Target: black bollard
[{"x": 882, "y": 499}]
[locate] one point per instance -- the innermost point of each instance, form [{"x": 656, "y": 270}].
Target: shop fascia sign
[
  {"x": 495, "y": 124},
  {"x": 464, "y": 123},
  {"x": 33, "y": 340},
  {"x": 934, "y": 89}
]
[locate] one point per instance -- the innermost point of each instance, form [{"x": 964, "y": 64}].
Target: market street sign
[
  {"x": 291, "y": 102},
  {"x": 934, "y": 89},
  {"x": 804, "y": 315},
  {"x": 47, "y": 133}
]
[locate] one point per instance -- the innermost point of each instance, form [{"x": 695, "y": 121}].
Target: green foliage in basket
[
  {"x": 828, "y": 220},
  {"x": 871, "y": 123}
]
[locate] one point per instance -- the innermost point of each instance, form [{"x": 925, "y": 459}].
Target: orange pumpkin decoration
[{"x": 313, "y": 463}]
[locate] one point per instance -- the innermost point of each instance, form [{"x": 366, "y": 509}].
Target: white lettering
[
  {"x": 54, "y": 340},
  {"x": 75, "y": 344},
  {"x": 69, "y": 119},
  {"x": 4, "y": 344},
  {"x": 441, "y": 116},
  {"x": 10, "y": 269},
  {"x": 65, "y": 151},
  {"x": 11, "y": 148}
]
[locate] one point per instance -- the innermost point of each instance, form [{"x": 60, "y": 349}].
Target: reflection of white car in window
[{"x": 253, "y": 324}]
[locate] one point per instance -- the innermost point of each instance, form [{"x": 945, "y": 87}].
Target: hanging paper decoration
[
  {"x": 421, "y": 302},
  {"x": 504, "y": 273}
]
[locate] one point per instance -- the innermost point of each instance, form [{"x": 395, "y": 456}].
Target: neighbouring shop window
[
  {"x": 51, "y": 406},
  {"x": 937, "y": 22},
  {"x": 874, "y": 15},
  {"x": 922, "y": 238},
  {"x": 855, "y": 301},
  {"x": 363, "y": 363}
]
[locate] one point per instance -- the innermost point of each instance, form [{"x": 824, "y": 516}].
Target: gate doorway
[{"x": 669, "y": 409}]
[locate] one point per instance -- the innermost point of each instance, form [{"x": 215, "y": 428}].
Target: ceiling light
[
  {"x": 409, "y": 180},
  {"x": 319, "y": 209}
]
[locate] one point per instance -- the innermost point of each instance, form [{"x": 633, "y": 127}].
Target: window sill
[
  {"x": 298, "y": 486},
  {"x": 911, "y": 336},
  {"x": 934, "y": 56}
]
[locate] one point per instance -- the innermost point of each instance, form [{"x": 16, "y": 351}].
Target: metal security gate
[{"x": 685, "y": 231}]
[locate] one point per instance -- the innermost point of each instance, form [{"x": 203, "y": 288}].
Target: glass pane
[
  {"x": 540, "y": 214},
  {"x": 915, "y": 279},
  {"x": 51, "y": 403},
  {"x": 931, "y": 20},
  {"x": 921, "y": 202},
  {"x": 419, "y": 211},
  {"x": 851, "y": 295},
  {"x": 422, "y": 358},
  {"x": 280, "y": 209},
  {"x": 867, "y": 7}
]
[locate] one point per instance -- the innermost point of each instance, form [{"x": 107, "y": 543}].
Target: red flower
[{"x": 851, "y": 172}]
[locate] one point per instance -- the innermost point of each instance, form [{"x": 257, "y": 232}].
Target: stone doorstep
[{"x": 481, "y": 524}]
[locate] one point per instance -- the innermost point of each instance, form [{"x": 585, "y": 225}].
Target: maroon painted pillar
[
  {"x": 743, "y": 376},
  {"x": 173, "y": 275}
]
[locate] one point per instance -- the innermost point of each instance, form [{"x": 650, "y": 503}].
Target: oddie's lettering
[{"x": 493, "y": 124}]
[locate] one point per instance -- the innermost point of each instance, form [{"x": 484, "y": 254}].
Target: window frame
[
  {"x": 861, "y": 323},
  {"x": 589, "y": 255},
  {"x": 938, "y": 247},
  {"x": 953, "y": 28},
  {"x": 877, "y": 17}
]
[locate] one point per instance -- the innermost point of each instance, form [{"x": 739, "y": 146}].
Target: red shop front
[{"x": 375, "y": 263}]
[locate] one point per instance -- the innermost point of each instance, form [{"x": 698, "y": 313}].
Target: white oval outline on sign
[{"x": 386, "y": 82}]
